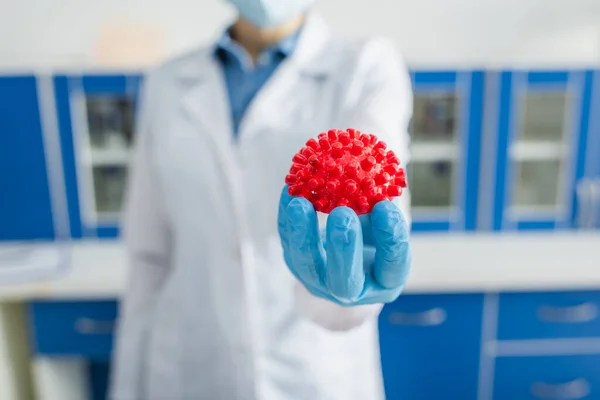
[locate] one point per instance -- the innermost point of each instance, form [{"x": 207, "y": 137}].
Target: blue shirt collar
[{"x": 227, "y": 46}]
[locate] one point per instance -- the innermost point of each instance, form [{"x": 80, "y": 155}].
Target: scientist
[{"x": 211, "y": 311}]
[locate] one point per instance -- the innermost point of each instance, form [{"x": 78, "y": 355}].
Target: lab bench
[
  {"x": 432, "y": 345},
  {"x": 505, "y": 184},
  {"x": 515, "y": 319}
]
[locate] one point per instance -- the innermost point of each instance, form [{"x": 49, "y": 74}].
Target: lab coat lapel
[
  {"x": 204, "y": 99},
  {"x": 278, "y": 92}
]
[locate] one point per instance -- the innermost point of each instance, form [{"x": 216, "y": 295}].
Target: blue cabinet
[
  {"x": 445, "y": 141},
  {"x": 74, "y": 328},
  {"x": 26, "y": 157},
  {"x": 547, "y": 377},
  {"x": 433, "y": 346},
  {"x": 96, "y": 114},
  {"x": 430, "y": 346},
  {"x": 540, "y": 140},
  {"x": 549, "y": 315},
  {"x": 545, "y": 345},
  {"x": 533, "y": 164}
]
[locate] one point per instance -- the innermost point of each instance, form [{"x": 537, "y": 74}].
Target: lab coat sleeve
[
  {"x": 379, "y": 101},
  {"x": 147, "y": 241}
]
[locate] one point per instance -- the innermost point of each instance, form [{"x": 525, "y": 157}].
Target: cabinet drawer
[
  {"x": 430, "y": 346},
  {"x": 549, "y": 315},
  {"x": 74, "y": 328},
  {"x": 547, "y": 378}
]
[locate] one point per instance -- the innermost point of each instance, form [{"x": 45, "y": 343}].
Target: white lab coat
[{"x": 211, "y": 311}]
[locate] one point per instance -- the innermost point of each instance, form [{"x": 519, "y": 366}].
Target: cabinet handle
[
  {"x": 585, "y": 312},
  {"x": 87, "y": 326},
  {"x": 435, "y": 316},
  {"x": 586, "y": 199},
  {"x": 576, "y": 389},
  {"x": 595, "y": 203}
]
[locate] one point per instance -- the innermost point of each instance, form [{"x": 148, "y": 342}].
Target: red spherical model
[{"x": 345, "y": 168}]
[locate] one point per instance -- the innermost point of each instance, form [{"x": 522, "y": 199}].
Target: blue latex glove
[{"x": 356, "y": 260}]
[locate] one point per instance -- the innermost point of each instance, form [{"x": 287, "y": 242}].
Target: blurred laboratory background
[{"x": 504, "y": 299}]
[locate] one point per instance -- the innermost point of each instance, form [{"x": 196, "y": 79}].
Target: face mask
[{"x": 270, "y": 13}]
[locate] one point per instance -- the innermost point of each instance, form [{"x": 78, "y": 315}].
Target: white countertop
[{"x": 442, "y": 263}]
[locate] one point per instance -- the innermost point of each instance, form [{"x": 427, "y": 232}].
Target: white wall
[{"x": 429, "y": 32}]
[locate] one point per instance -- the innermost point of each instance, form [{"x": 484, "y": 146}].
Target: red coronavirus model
[{"x": 345, "y": 168}]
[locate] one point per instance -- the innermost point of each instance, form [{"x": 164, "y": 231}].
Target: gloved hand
[{"x": 355, "y": 260}]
